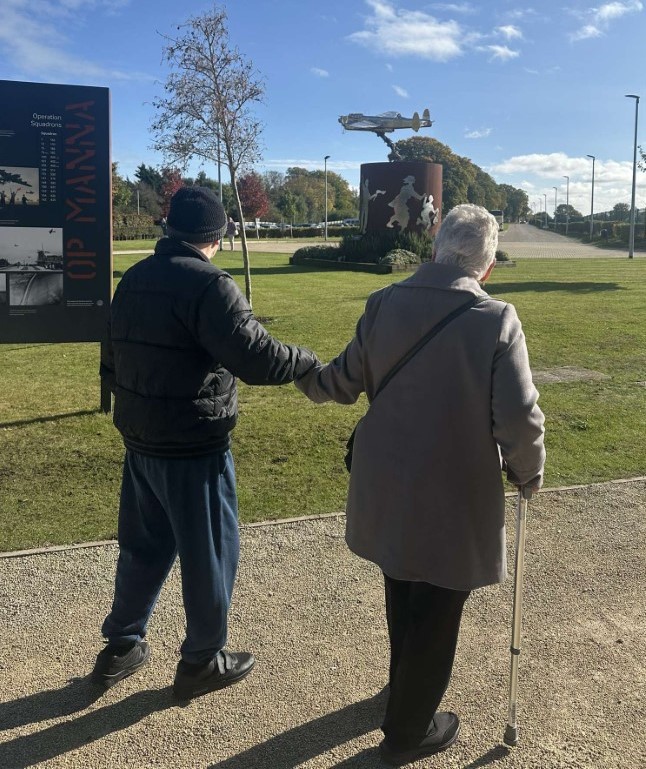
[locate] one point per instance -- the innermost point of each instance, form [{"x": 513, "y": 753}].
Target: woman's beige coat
[{"x": 426, "y": 498}]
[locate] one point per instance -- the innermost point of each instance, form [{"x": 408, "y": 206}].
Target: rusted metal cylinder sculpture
[{"x": 406, "y": 196}]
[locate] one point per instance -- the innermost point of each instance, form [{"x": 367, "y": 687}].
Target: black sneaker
[
  {"x": 446, "y": 728},
  {"x": 224, "y": 669},
  {"x": 114, "y": 663}
]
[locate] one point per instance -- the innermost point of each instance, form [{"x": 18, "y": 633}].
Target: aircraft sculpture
[{"x": 386, "y": 122}]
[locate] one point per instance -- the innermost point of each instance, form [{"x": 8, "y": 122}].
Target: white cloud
[
  {"x": 510, "y": 31},
  {"x": 597, "y": 20},
  {"x": 586, "y": 32},
  {"x": 545, "y": 165},
  {"x": 465, "y": 8},
  {"x": 541, "y": 172},
  {"x": 400, "y": 32},
  {"x": 400, "y": 91},
  {"x": 547, "y": 71},
  {"x": 391, "y": 30},
  {"x": 389, "y": 67},
  {"x": 319, "y": 72},
  {"x": 479, "y": 133},
  {"x": 33, "y": 44},
  {"x": 520, "y": 13},
  {"x": 610, "y": 11},
  {"x": 502, "y": 52}
]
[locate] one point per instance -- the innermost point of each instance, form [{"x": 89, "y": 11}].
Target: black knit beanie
[{"x": 196, "y": 216}]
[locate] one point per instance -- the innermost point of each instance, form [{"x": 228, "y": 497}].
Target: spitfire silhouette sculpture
[{"x": 386, "y": 122}]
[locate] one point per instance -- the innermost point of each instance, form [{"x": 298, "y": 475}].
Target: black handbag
[{"x": 403, "y": 361}]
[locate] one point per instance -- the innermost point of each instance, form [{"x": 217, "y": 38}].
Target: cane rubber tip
[{"x": 511, "y": 736}]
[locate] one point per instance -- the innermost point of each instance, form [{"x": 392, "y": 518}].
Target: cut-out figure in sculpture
[
  {"x": 399, "y": 204},
  {"x": 429, "y": 215},
  {"x": 366, "y": 199}
]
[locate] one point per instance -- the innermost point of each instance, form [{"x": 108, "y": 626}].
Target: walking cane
[{"x": 511, "y": 732}]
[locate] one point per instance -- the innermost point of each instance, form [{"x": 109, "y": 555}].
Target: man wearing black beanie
[{"x": 179, "y": 335}]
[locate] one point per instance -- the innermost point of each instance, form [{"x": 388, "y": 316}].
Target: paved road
[{"x": 523, "y": 241}]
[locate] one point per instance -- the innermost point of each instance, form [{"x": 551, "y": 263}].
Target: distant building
[{"x": 49, "y": 261}]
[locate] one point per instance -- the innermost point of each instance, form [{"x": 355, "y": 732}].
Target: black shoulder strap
[{"x": 427, "y": 338}]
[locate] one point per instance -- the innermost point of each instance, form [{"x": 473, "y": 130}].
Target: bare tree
[{"x": 209, "y": 94}]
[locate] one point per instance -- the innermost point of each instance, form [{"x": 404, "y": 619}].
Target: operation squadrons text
[{"x": 46, "y": 121}]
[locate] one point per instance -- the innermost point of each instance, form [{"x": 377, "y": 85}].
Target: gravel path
[
  {"x": 312, "y": 613},
  {"x": 520, "y": 241}
]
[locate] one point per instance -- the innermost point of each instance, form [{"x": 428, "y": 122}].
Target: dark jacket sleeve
[{"x": 227, "y": 328}]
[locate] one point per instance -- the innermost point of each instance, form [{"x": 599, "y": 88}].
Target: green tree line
[
  {"x": 298, "y": 195},
  {"x": 463, "y": 181},
  {"x": 294, "y": 197}
]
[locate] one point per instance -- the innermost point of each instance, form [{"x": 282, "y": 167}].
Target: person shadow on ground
[
  {"x": 77, "y": 695},
  {"x": 294, "y": 747},
  {"x": 306, "y": 741},
  {"x": 287, "y": 750}
]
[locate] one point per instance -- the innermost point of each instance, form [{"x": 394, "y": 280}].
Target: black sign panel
[{"x": 55, "y": 212}]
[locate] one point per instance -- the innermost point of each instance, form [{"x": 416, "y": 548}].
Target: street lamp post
[
  {"x": 631, "y": 245},
  {"x": 555, "y": 206},
  {"x": 592, "y": 198},
  {"x": 325, "y": 160},
  {"x": 545, "y": 197},
  {"x": 567, "y": 204}
]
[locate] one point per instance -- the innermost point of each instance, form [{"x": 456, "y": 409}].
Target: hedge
[{"x": 134, "y": 227}]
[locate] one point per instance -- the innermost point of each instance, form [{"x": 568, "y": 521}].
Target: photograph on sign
[
  {"x": 19, "y": 186},
  {"x": 31, "y": 262}
]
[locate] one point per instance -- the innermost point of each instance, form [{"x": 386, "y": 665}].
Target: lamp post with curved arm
[
  {"x": 555, "y": 206},
  {"x": 545, "y": 197},
  {"x": 592, "y": 198},
  {"x": 631, "y": 245}
]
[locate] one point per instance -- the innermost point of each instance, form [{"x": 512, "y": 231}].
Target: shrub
[
  {"x": 373, "y": 246},
  {"x": 400, "y": 256},
  {"x": 301, "y": 255},
  {"x": 502, "y": 256}
]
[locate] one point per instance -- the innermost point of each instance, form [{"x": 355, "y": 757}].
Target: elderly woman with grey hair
[{"x": 426, "y": 498}]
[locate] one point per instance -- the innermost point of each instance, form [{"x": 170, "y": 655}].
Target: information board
[{"x": 55, "y": 212}]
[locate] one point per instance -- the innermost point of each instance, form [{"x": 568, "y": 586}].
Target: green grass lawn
[
  {"x": 133, "y": 245},
  {"x": 61, "y": 458}
]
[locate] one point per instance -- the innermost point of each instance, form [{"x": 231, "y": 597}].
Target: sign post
[{"x": 55, "y": 213}]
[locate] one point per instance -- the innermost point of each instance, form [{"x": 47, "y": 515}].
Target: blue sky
[{"x": 525, "y": 91}]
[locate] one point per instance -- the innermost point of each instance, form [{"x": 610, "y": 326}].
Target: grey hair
[{"x": 467, "y": 238}]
